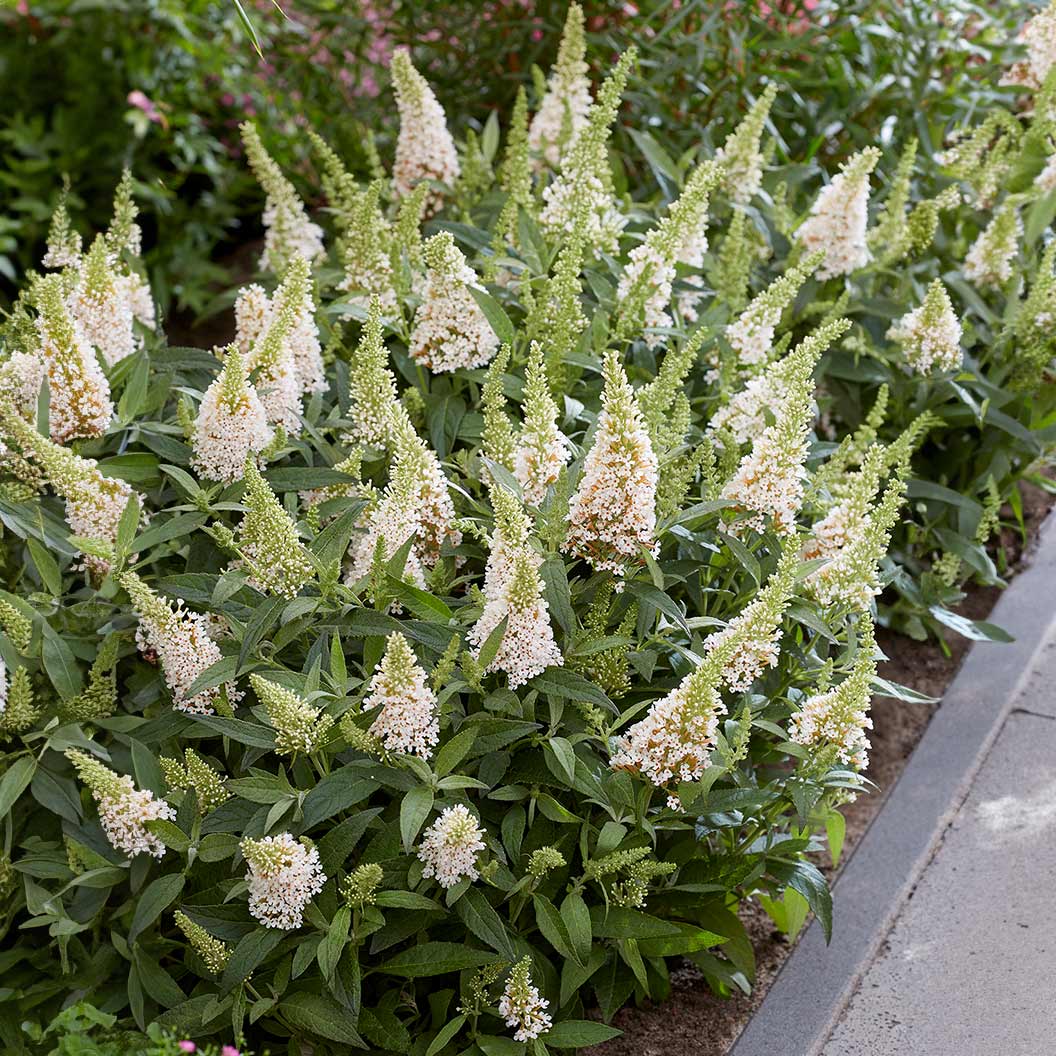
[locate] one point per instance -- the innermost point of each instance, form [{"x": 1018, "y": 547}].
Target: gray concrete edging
[{"x": 817, "y": 981}]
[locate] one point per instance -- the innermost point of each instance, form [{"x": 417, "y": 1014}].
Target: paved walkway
[
  {"x": 969, "y": 969},
  {"x": 944, "y": 932}
]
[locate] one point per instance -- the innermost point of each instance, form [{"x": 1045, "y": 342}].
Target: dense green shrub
[{"x": 346, "y": 700}]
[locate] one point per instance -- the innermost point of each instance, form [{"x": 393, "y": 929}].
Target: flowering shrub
[{"x": 493, "y": 616}]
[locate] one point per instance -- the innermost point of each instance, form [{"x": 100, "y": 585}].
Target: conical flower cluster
[
  {"x": 232, "y": 424},
  {"x": 450, "y": 330},
  {"x": 94, "y": 503},
  {"x": 541, "y": 448},
  {"x": 393, "y": 519},
  {"x": 989, "y": 261},
  {"x": 101, "y": 306},
  {"x": 521, "y": 1006},
  {"x": 450, "y": 845},
  {"x": 644, "y": 289},
  {"x": 298, "y": 726},
  {"x": 1033, "y": 325},
  {"x": 563, "y": 110},
  {"x": 212, "y": 951},
  {"x": 98, "y": 700},
  {"x": 1039, "y": 37},
  {"x": 513, "y": 591},
  {"x": 839, "y": 717},
  {"x": 751, "y": 334},
  {"x": 80, "y": 394},
  {"x": 365, "y": 251},
  {"x": 515, "y": 175},
  {"x": 252, "y": 313},
  {"x": 849, "y": 517},
  {"x": 851, "y": 577},
  {"x": 124, "y": 811},
  {"x": 425, "y": 150},
  {"x": 674, "y": 741},
  {"x": 274, "y": 367},
  {"x": 182, "y": 643},
  {"x": 288, "y": 233},
  {"x": 194, "y": 772},
  {"x": 372, "y": 395},
  {"x": 435, "y": 510},
  {"x": 769, "y": 480},
  {"x": 21, "y": 377},
  {"x": 284, "y": 876},
  {"x": 740, "y": 155},
  {"x": 582, "y": 196},
  {"x": 612, "y": 516},
  {"x": 930, "y": 335},
  {"x": 838, "y": 219},
  {"x": 408, "y": 721},
  {"x": 64, "y": 243},
  {"x": 756, "y": 631},
  {"x": 498, "y": 440},
  {"x": 281, "y": 338},
  {"x": 278, "y": 561},
  {"x": 296, "y": 291},
  {"x": 16, "y": 625},
  {"x": 18, "y": 711}
]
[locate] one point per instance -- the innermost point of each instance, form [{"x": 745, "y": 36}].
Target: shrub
[{"x": 349, "y": 702}]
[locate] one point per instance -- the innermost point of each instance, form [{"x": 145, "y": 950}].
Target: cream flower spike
[
  {"x": 232, "y": 424},
  {"x": 425, "y": 150},
  {"x": 81, "y": 407},
  {"x": 612, "y": 516},
  {"x": 563, "y": 109}
]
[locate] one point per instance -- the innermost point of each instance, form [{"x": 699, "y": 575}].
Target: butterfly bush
[{"x": 505, "y": 591}]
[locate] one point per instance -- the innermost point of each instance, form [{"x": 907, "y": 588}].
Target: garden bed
[{"x": 696, "y": 1021}]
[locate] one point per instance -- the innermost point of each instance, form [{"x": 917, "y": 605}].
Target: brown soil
[{"x": 696, "y": 1022}]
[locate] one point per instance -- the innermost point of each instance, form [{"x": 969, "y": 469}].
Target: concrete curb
[{"x": 817, "y": 981}]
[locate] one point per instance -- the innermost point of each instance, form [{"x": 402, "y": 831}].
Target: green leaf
[
  {"x": 456, "y": 749},
  {"x": 224, "y": 670},
  {"x": 60, "y": 664},
  {"x": 251, "y": 952},
  {"x": 436, "y": 958},
  {"x": 336, "y": 792},
  {"x": 579, "y": 1033},
  {"x": 495, "y": 315},
  {"x": 322, "y": 1016},
  {"x": 975, "y": 630},
  {"x": 251, "y": 733},
  {"x": 558, "y": 597},
  {"x": 15, "y": 781},
  {"x": 47, "y": 566},
  {"x": 127, "y": 525},
  {"x": 170, "y": 834},
  {"x": 576, "y": 915},
  {"x": 567, "y": 685},
  {"x": 156, "y": 898},
  {"x": 407, "y": 900},
  {"x": 382, "y": 1027},
  {"x": 334, "y": 942},
  {"x": 414, "y": 809},
  {"x": 835, "y": 829},
  {"x": 479, "y": 916},
  {"x": 447, "y": 1032},
  {"x": 617, "y": 922},
  {"x": 553, "y": 927}
]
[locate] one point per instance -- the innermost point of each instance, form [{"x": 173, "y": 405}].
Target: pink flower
[
  {"x": 229, "y": 1050},
  {"x": 188, "y": 1046},
  {"x": 143, "y": 102}
]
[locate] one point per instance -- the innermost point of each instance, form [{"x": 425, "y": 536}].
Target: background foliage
[{"x": 169, "y": 81}]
